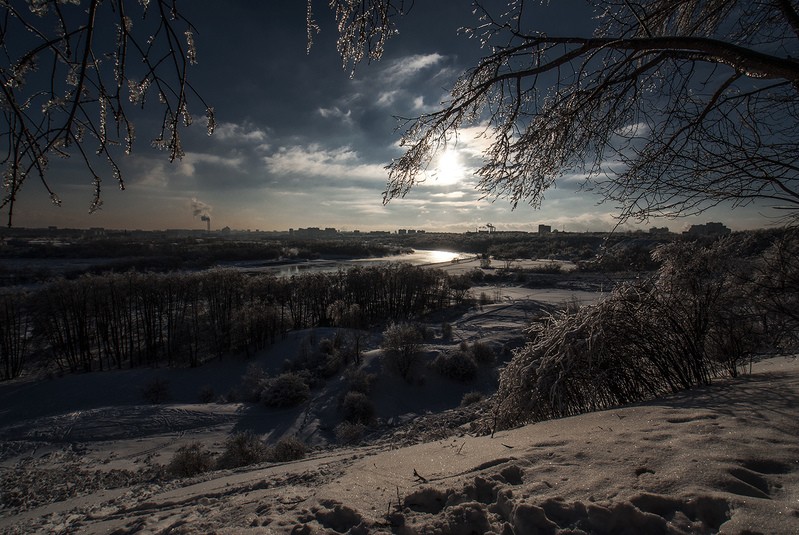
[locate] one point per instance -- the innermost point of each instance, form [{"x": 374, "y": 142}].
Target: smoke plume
[
  {"x": 199, "y": 208},
  {"x": 203, "y": 210}
]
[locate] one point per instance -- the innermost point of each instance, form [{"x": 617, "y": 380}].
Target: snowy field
[{"x": 83, "y": 454}]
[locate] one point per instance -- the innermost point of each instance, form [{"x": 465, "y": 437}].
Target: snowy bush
[
  {"x": 334, "y": 363},
  {"x": 645, "y": 339},
  {"x": 401, "y": 344},
  {"x": 285, "y": 390},
  {"x": 456, "y": 365},
  {"x": 349, "y": 433},
  {"x": 287, "y": 449},
  {"x": 357, "y": 408},
  {"x": 775, "y": 289},
  {"x": 360, "y": 381},
  {"x": 190, "y": 460},
  {"x": 482, "y": 353},
  {"x": 252, "y": 383},
  {"x": 470, "y": 398},
  {"x": 446, "y": 331},
  {"x": 242, "y": 449}
]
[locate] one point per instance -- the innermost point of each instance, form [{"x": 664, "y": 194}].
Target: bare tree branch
[
  {"x": 669, "y": 108},
  {"x": 90, "y": 86}
]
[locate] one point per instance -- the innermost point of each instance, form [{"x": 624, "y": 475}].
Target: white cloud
[
  {"x": 187, "y": 164},
  {"x": 474, "y": 140},
  {"x": 313, "y": 160},
  {"x": 239, "y": 133},
  {"x": 150, "y": 172},
  {"x": 635, "y": 130},
  {"x": 471, "y": 141},
  {"x": 584, "y": 222},
  {"x": 449, "y": 195},
  {"x": 336, "y": 113},
  {"x": 573, "y": 179},
  {"x": 409, "y": 66},
  {"x": 387, "y": 98}
]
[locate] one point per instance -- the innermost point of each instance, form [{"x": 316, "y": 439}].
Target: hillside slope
[{"x": 722, "y": 458}]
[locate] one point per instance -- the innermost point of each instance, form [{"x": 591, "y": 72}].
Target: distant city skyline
[
  {"x": 301, "y": 143},
  {"x": 711, "y": 228}
]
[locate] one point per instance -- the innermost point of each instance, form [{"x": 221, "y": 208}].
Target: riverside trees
[
  {"x": 132, "y": 319},
  {"x": 15, "y": 320}
]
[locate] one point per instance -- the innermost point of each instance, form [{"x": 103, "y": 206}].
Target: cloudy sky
[{"x": 299, "y": 142}]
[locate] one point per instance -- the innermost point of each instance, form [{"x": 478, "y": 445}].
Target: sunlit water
[{"x": 416, "y": 258}]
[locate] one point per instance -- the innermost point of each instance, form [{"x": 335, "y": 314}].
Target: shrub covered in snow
[
  {"x": 285, "y": 390},
  {"x": 287, "y": 449},
  {"x": 190, "y": 460},
  {"x": 482, "y": 352},
  {"x": 349, "y": 433},
  {"x": 360, "y": 381},
  {"x": 252, "y": 383},
  {"x": 646, "y": 338},
  {"x": 446, "y": 331},
  {"x": 242, "y": 449},
  {"x": 470, "y": 398},
  {"x": 456, "y": 365},
  {"x": 401, "y": 344},
  {"x": 358, "y": 408}
]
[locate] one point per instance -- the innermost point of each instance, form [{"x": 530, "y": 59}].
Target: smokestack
[{"x": 203, "y": 210}]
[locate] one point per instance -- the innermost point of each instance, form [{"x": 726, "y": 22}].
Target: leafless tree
[
  {"x": 63, "y": 318},
  {"x": 402, "y": 344},
  {"x": 15, "y": 323},
  {"x": 71, "y": 71},
  {"x": 669, "y": 108},
  {"x": 364, "y": 27},
  {"x": 775, "y": 287},
  {"x": 222, "y": 291},
  {"x": 687, "y": 324}
]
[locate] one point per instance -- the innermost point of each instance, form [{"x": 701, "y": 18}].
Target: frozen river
[{"x": 419, "y": 257}]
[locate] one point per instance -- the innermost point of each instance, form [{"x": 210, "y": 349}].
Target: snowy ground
[{"x": 83, "y": 454}]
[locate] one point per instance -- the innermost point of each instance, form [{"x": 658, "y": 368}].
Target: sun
[{"x": 449, "y": 168}]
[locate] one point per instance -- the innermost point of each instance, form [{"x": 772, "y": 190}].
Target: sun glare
[{"x": 449, "y": 168}]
